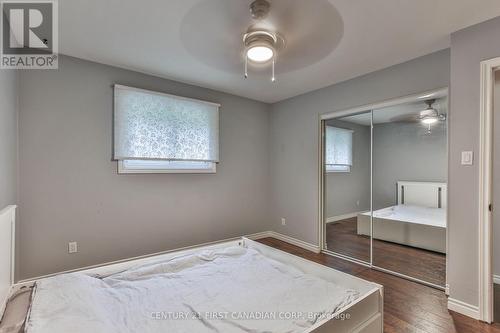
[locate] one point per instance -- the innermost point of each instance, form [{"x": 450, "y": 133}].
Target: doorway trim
[
  {"x": 321, "y": 172},
  {"x": 488, "y": 68}
]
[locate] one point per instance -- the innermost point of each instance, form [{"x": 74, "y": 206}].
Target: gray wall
[
  {"x": 8, "y": 137},
  {"x": 70, "y": 190},
  {"x": 294, "y": 134},
  {"x": 347, "y": 193},
  {"x": 468, "y": 48},
  {"x": 404, "y": 151}
]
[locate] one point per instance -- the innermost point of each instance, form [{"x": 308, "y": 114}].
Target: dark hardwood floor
[
  {"x": 342, "y": 237},
  {"x": 408, "y": 306},
  {"x": 496, "y": 302}
]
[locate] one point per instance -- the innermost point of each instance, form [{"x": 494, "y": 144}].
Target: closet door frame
[
  {"x": 485, "y": 197},
  {"x": 322, "y": 177}
]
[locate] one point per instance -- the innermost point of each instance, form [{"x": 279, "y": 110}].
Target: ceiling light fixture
[
  {"x": 261, "y": 45},
  {"x": 429, "y": 120},
  {"x": 260, "y": 53}
]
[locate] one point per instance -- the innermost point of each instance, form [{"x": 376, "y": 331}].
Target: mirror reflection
[
  {"x": 347, "y": 184},
  {"x": 385, "y": 187},
  {"x": 409, "y": 189}
]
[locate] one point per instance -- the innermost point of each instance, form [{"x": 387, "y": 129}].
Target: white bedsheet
[
  {"x": 229, "y": 290},
  {"x": 413, "y": 214}
]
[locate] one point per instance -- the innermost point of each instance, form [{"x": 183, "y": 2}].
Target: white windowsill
[{"x": 123, "y": 170}]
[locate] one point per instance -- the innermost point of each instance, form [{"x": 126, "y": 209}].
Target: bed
[
  {"x": 233, "y": 286},
  {"x": 418, "y": 220}
]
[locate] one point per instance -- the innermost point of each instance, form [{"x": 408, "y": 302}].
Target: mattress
[
  {"x": 415, "y": 226},
  {"x": 234, "y": 289},
  {"x": 435, "y": 217}
]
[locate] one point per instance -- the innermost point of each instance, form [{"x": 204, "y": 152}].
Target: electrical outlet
[
  {"x": 72, "y": 247},
  {"x": 283, "y": 221}
]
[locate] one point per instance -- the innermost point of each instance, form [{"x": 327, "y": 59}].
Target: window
[
  {"x": 160, "y": 133},
  {"x": 338, "y": 149}
]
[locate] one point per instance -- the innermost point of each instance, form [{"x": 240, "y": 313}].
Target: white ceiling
[{"x": 173, "y": 38}]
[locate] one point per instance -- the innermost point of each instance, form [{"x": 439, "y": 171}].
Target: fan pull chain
[
  {"x": 246, "y": 67},
  {"x": 273, "y": 78}
]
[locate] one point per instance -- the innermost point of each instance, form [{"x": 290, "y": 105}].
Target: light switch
[
  {"x": 72, "y": 247},
  {"x": 467, "y": 158}
]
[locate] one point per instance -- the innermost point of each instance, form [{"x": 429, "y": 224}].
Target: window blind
[
  {"x": 338, "y": 146},
  {"x": 154, "y": 126}
]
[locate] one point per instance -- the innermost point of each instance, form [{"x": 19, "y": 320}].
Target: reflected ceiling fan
[{"x": 429, "y": 116}]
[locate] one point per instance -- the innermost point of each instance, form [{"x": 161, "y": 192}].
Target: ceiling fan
[
  {"x": 429, "y": 116},
  {"x": 261, "y": 41},
  {"x": 254, "y": 34}
]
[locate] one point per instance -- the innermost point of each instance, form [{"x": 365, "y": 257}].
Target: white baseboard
[
  {"x": 463, "y": 308},
  {"x": 447, "y": 290},
  {"x": 294, "y": 241},
  {"x": 259, "y": 235},
  {"x": 496, "y": 279},
  {"x": 342, "y": 217}
]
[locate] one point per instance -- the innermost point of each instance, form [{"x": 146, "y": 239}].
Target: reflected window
[{"x": 338, "y": 150}]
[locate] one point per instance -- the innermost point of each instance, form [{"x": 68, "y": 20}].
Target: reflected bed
[
  {"x": 417, "y": 226},
  {"x": 418, "y": 220}
]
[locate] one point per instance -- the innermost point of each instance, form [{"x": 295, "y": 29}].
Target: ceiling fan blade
[
  {"x": 311, "y": 30},
  {"x": 405, "y": 119}
]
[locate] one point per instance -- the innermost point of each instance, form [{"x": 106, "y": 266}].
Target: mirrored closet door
[
  {"x": 409, "y": 189},
  {"x": 385, "y": 187},
  {"x": 348, "y": 185}
]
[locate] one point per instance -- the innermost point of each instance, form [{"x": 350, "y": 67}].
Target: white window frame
[
  {"x": 338, "y": 168},
  {"x": 123, "y": 169}
]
